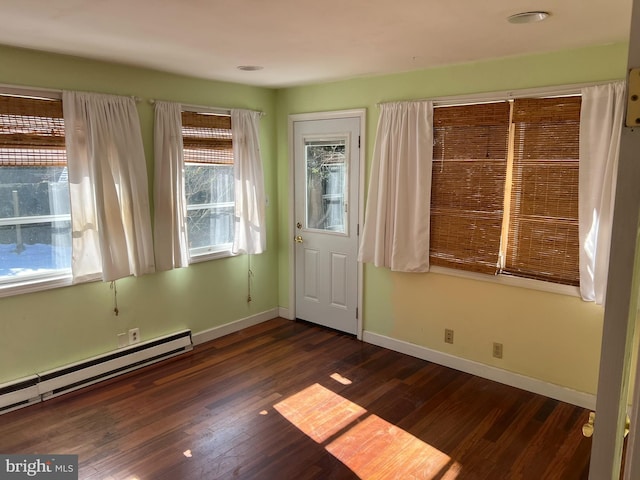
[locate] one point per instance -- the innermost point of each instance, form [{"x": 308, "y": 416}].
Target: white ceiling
[{"x": 304, "y": 41}]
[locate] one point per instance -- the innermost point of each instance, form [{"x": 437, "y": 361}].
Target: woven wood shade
[
  {"x": 207, "y": 138},
  {"x": 467, "y": 191},
  {"x": 31, "y": 132},
  {"x": 543, "y": 225}
]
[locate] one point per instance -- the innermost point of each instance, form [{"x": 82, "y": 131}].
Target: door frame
[
  {"x": 620, "y": 310},
  {"x": 361, "y": 114}
]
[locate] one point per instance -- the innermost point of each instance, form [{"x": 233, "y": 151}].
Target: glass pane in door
[{"x": 326, "y": 185}]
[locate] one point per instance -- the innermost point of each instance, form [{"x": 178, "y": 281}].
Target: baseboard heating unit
[
  {"x": 59, "y": 381},
  {"x": 19, "y": 393}
]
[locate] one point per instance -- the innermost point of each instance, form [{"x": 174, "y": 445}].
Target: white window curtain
[
  {"x": 396, "y": 227},
  {"x": 170, "y": 209},
  {"x": 601, "y": 120},
  {"x": 250, "y": 229},
  {"x": 108, "y": 189}
]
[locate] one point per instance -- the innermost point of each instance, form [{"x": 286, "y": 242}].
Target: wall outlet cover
[
  {"x": 134, "y": 336},
  {"x": 448, "y": 335}
]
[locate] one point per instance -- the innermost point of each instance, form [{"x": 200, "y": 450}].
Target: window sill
[
  {"x": 205, "y": 257},
  {"x": 34, "y": 285},
  {"x": 511, "y": 281}
]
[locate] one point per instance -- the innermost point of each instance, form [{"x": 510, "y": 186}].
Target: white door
[{"x": 326, "y": 169}]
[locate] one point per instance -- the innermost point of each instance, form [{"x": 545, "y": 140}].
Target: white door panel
[
  {"x": 339, "y": 280},
  {"x": 326, "y": 221}
]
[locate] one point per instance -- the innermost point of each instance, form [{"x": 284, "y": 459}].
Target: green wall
[
  {"x": 548, "y": 336},
  {"x": 552, "y": 337},
  {"x": 40, "y": 331}
]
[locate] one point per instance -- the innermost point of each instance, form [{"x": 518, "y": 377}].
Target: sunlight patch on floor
[
  {"x": 319, "y": 412},
  {"x": 369, "y": 445},
  {"x": 340, "y": 379},
  {"x": 375, "y": 448}
]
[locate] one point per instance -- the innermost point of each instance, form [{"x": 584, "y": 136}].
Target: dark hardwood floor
[{"x": 288, "y": 400}]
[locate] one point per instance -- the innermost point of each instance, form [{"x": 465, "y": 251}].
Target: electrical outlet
[
  {"x": 497, "y": 350},
  {"x": 448, "y": 335},
  {"x": 123, "y": 340},
  {"x": 134, "y": 336}
]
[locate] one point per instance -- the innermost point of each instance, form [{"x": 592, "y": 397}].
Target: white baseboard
[
  {"x": 231, "y": 327},
  {"x": 284, "y": 313},
  {"x": 564, "y": 394}
]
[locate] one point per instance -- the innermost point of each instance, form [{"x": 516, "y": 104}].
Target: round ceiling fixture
[
  {"x": 249, "y": 68},
  {"x": 528, "y": 17}
]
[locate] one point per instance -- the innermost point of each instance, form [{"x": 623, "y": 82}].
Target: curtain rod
[
  {"x": 202, "y": 108},
  {"x": 55, "y": 93},
  {"x": 569, "y": 89},
  {"x": 29, "y": 91}
]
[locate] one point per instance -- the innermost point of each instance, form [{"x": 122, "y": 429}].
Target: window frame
[
  {"x": 41, "y": 282},
  {"x": 490, "y": 97},
  {"x": 208, "y": 253}
]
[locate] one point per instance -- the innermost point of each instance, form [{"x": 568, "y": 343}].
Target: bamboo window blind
[
  {"x": 543, "y": 224},
  {"x": 467, "y": 190},
  {"x": 31, "y": 132},
  {"x": 207, "y": 138},
  {"x": 505, "y": 190}
]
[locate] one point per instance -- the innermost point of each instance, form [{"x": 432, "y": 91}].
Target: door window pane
[{"x": 326, "y": 185}]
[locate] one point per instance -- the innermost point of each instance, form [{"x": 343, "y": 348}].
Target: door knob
[
  {"x": 587, "y": 428},
  {"x": 298, "y": 239}
]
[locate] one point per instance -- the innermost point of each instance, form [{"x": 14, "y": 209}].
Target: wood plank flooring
[{"x": 288, "y": 400}]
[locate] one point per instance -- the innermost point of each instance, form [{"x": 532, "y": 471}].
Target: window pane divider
[
  {"x": 205, "y": 206},
  {"x": 33, "y": 219}
]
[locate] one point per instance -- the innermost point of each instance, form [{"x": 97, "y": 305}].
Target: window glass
[
  {"x": 210, "y": 206},
  {"x": 209, "y": 182},
  {"x": 35, "y": 221},
  {"x": 326, "y": 185}
]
